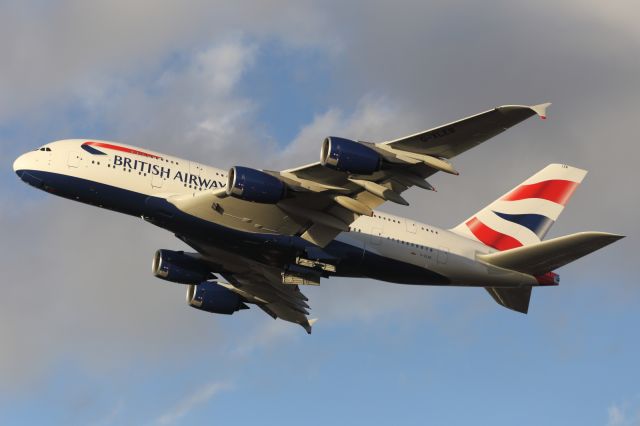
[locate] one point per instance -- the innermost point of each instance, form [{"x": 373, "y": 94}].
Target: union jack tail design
[{"x": 525, "y": 214}]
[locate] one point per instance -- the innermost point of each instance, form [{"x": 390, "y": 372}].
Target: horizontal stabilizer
[
  {"x": 516, "y": 299},
  {"x": 543, "y": 257}
]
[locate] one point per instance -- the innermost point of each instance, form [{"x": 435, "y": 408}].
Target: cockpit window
[{"x": 44, "y": 148}]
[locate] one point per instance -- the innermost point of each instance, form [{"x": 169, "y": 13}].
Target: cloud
[
  {"x": 91, "y": 277},
  {"x": 193, "y": 108},
  {"x": 374, "y": 118},
  {"x": 58, "y": 294},
  {"x": 191, "y": 401},
  {"x": 265, "y": 335},
  {"x": 616, "y": 416},
  {"x": 70, "y": 47},
  {"x": 76, "y": 283},
  {"x": 626, "y": 413}
]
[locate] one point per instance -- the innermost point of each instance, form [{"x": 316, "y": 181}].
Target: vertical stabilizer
[{"x": 525, "y": 214}]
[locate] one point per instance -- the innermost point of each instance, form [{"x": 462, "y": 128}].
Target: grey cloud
[
  {"x": 446, "y": 60},
  {"x": 86, "y": 292},
  {"x": 80, "y": 274},
  {"x": 51, "y": 50},
  {"x": 89, "y": 291}
]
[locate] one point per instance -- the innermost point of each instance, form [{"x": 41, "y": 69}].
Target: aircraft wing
[
  {"x": 323, "y": 202},
  {"x": 414, "y": 158},
  {"x": 284, "y": 301},
  {"x": 459, "y": 136},
  {"x": 257, "y": 283}
]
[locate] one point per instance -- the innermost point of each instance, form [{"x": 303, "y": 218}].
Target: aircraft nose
[
  {"x": 19, "y": 165},
  {"x": 23, "y": 166}
]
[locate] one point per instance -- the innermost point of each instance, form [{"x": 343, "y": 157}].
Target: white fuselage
[{"x": 151, "y": 174}]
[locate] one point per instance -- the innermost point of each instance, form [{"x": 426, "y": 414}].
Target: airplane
[{"x": 259, "y": 235}]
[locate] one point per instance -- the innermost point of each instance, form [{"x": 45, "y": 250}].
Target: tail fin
[{"x": 525, "y": 214}]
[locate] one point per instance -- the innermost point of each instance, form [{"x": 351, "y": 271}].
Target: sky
[{"x": 88, "y": 336}]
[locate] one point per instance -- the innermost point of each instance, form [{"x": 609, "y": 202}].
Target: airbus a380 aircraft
[{"x": 267, "y": 232}]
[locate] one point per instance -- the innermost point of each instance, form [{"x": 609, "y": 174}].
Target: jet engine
[
  {"x": 349, "y": 156},
  {"x": 178, "y": 267},
  {"x": 255, "y": 185},
  {"x": 210, "y": 297}
]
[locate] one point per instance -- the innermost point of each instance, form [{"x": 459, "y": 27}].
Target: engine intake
[
  {"x": 255, "y": 185},
  {"x": 210, "y": 297},
  {"x": 349, "y": 156},
  {"x": 178, "y": 267}
]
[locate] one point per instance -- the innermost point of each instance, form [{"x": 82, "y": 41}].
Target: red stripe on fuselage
[
  {"x": 557, "y": 191},
  {"x": 121, "y": 148},
  {"x": 491, "y": 237}
]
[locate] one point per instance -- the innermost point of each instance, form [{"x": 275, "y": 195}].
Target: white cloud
[
  {"x": 58, "y": 49},
  {"x": 79, "y": 285},
  {"x": 616, "y": 416},
  {"x": 626, "y": 413},
  {"x": 222, "y": 66},
  {"x": 264, "y": 335},
  {"x": 375, "y": 118},
  {"x": 191, "y": 401}
]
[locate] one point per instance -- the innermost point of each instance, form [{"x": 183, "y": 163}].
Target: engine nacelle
[
  {"x": 255, "y": 185},
  {"x": 210, "y": 297},
  {"x": 178, "y": 267},
  {"x": 349, "y": 156}
]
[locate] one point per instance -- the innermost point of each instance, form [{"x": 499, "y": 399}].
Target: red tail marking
[
  {"x": 550, "y": 278},
  {"x": 491, "y": 237},
  {"x": 557, "y": 191}
]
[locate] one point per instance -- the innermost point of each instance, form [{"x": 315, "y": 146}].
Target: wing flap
[
  {"x": 320, "y": 235},
  {"x": 257, "y": 283}
]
